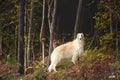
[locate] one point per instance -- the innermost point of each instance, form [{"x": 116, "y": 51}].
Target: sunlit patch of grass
[{"x": 65, "y": 63}]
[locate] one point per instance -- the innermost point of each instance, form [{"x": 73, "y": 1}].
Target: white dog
[{"x": 71, "y": 49}]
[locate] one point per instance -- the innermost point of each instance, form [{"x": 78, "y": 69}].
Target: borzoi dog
[{"x": 71, "y": 49}]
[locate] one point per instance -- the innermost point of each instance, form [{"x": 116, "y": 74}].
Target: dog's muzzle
[{"x": 82, "y": 38}]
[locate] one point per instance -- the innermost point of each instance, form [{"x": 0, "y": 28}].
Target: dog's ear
[{"x": 78, "y": 34}]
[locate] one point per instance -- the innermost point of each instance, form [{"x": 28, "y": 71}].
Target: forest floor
[{"x": 95, "y": 66}]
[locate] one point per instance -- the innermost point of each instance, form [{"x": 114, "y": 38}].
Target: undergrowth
[{"x": 93, "y": 64}]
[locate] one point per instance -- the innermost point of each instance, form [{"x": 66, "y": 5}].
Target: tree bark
[
  {"x": 29, "y": 34},
  {"x": 50, "y": 11},
  {"x": 32, "y": 46},
  {"x": 43, "y": 52},
  {"x": 78, "y": 15},
  {"x": 42, "y": 32},
  {"x": 25, "y": 33},
  {"x": 21, "y": 36},
  {"x": 0, "y": 45},
  {"x": 51, "y": 26},
  {"x": 111, "y": 31},
  {"x": 0, "y": 41},
  {"x": 117, "y": 49},
  {"x": 16, "y": 43}
]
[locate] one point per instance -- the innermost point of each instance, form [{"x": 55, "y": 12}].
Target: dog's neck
[{"x": 78, "y": 43}]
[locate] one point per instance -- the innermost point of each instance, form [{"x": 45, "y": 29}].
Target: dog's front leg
[{"x": 75, "y": 58}]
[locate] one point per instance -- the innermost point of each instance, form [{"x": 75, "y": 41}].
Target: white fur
[{"x": 71, "y": 49}]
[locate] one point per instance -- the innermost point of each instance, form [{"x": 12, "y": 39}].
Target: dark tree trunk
[
  {"x": 78, "y": 18},
  {"x": 84, "y": 17},
  {"x": 16, "y": 43},
  {"x": 0, "y": 40},
  {"x": 111, "y": 29},
  {"x": 21, "y": 36},
  {"x": 117, "y": 41},
  {"x": 52, "y": 17},
  {"x": 0, "y": 45}
]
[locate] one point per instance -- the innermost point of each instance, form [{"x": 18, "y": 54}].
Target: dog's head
[{"x": 80, "y": 36}]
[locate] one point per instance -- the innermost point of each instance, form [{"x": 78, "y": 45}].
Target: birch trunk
[
  {"x": 25, "y": 32},
  {"x": 51, "y": 26},
  {"x": 29, "y": 35},
  {"x": 42, "y": 32},
  {"x": 43, "y": 52}
]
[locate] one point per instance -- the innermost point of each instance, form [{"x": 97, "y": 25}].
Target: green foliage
[
  {"x": 39, "y": 74},
  {"x": 106, "y": 39},
  {"x": 93, "y": 64},
  {"x": 106, "y": 18},
  {"x": 11, "y": 77},
  {"x": 102, "y": 19},
  {"x": 90, "y": 55},
  {"x": 13, "y": 64},
  {"x": 8, "y": 22},
  {"x": 12, "y": 61}
]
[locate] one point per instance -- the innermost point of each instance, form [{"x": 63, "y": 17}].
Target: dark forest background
[{"x": 31, "y": 29}]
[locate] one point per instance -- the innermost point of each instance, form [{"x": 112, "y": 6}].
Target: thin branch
[{"x": 91, "y": 42}]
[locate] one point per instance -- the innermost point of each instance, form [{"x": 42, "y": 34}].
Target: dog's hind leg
[
  {"x": 54, "y": 68},
  {"x": 50, "y": 67},
  {"x": 55, "y": 62}
]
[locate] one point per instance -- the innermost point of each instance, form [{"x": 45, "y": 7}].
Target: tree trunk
[
  {"x": 29, "y": 35},
  {"x": 21, "y": 36},
  {"x": 0, "y": 45},
  {"x": 117, "y": 51},
  {"x": 16, "y": 43},
  {"x": 43, "y": 52},
  {"x": 50, "y": 12},
  {"x": 42, "y": 31},
  {"x": 111, "y": 22},
  {"x": 0, "y": 41},
  {"x": 32, "y": 46},
  {"x": 78, "y": 15},
  {"x": 51, "y": 26},
  {"x": 25, "y": 33}
]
